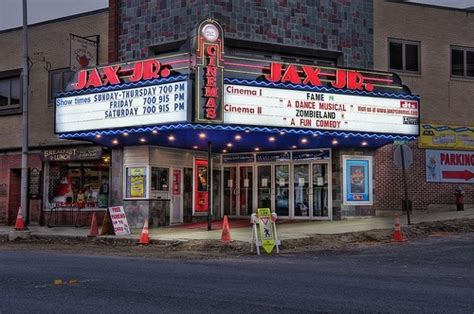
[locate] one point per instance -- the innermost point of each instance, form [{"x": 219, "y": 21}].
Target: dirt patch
[{"x": 200, "y": 249}]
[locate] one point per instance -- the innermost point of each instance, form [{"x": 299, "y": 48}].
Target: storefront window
[
  {"x": 79, "y": 183},
  {"x": 136, "y": 182},
  {"x": 159, "y": 179}
]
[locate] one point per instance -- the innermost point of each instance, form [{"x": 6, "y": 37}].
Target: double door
[
  {"x": 291, "y": 190},
  {"x": 311, "y": 192}
]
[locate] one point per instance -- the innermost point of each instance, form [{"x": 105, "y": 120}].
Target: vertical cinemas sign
[{"x": 209, "y": 74}]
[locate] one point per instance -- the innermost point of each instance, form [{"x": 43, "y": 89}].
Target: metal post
[
  {"x": 209, "y": 185},
  {"x": 405, "y": 187},
  {"x": 24, "y": 121}
]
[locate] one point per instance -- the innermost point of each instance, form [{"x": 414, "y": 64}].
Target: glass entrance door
[
  {"x": 301, "y": 201},
  {"x": 245, "y": 191},
  {"x": 282, "y": 190},
  {"x": 230, "y": 182},
  {"x": 264, "y": 186},
  {"x": 320, "y": 190}
]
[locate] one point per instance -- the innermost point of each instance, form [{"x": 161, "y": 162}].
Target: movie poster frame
[{"x": 349, "y": 196}]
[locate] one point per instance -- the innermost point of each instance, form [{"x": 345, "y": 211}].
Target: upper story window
[
  {"x": 462, "y": 61},
  {"x": 58, "y": 80},
  {"x": 10, "y": 93},
  {"x": 404, "y": 55}
]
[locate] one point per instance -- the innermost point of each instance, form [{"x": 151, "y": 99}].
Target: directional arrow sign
[
  {"x": 450, "y": 166},
  {"x": 462, "y": 175}
]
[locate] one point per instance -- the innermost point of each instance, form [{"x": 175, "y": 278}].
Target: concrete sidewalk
[{"x": 286, "y": 231}]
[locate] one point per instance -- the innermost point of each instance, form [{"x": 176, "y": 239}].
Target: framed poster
[
  {"x": 357, "y": 180},
  {"x": 136, "y": 182},
  {"x": 201, "y": 195}
]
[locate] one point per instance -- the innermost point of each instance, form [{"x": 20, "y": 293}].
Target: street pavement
[
  {"x": 301, "y": 229},
  {"x": 427, "y": 275}
]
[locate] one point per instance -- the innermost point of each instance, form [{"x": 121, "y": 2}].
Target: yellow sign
[
  {"x": 137, "y": 182},
  {"x": 446, "y": 136},
  {"x": 267, "y": 234}
]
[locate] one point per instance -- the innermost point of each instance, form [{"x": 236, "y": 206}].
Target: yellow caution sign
[{"x": 267, "y": 232}]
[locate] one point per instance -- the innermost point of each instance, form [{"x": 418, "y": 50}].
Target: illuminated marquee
[{"x": 209, "y": 72}]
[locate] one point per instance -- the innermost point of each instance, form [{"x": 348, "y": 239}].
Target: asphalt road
[{"x": 427, "y": 275}]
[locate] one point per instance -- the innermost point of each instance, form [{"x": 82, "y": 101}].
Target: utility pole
[{"x": 24, "y": 121}]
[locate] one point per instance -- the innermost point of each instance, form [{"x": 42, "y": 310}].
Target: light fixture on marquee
[
  {"x": 304, "y": 140},
  {"x": 271, "y": 139},
  {"x": 238, "y": 137},
  {"x": 171, "y": 138}
]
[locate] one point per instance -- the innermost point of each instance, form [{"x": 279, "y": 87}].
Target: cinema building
[{"x": 298, "y": 136}]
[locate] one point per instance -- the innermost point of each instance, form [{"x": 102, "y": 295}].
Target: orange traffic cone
[
  {"x": 20, "y": 222},
  {"x": 144, "y": 238},
  {"x": 226, "y": 237},
  {"x": 397, "y": 234},
  {"x": 94, "y": 228}
]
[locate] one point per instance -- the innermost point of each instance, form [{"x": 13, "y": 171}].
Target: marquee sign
[
  {"x": 153, "y": 104},
  {"x": 209, "y": 72},
  {"x": 315, "y": 110}
]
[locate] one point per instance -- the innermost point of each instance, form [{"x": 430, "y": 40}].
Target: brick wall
[
  {"x": 389, "y": 184},
  {"x": 10, "y": 171},
  {"x": 336, "y": 25}
]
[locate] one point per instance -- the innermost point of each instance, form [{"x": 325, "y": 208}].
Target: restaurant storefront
[{"x": 297, "y": 138}]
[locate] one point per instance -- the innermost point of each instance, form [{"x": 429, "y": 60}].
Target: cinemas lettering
[
  {"x": 309, "y": 75},
  {"x": 209, "y": 74},
  {"x": 116, "y": 74},
  {"x": 211, "y": 89}
]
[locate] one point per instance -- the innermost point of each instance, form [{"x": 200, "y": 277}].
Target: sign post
[{"x": 403, "y": 158}]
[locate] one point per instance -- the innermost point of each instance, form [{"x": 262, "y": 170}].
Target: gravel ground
[{"x": 201, "y": 249}]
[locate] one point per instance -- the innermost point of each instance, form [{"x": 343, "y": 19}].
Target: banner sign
[
  {"x": 266, "y": 157},
  {"x": 119, "y": 220},
  {"x": 83, "y": 52},
  {"x": 209, "y": 72},
  {"x": 446, "y": 136},
  {"x": 237, "y": 158},
  {"x": 278, "y": 107},
  {"x": 357, "y": 180},
  {"x": 449, "y": 166},
  {"x": 320, "y": 154},
  {"x": 72, "y": 153},
  {"x": 154, "y": 104},
  {"x": 201, "y": 196},
  {"x": 266, "y": 231}
]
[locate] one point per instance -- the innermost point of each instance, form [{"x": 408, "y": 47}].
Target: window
[
  {"x": 159, "y": 179},
  {"x": 404, "y": 55},
  {"x": 462, "y": 61},
  {"x": 58, "y": 80},
  {"x": 10, "y": 91}
]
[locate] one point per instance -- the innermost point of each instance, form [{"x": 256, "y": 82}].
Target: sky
[{"x": 43, "y": 10}]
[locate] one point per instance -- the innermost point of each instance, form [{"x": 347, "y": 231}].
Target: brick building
[
  {"x": 49, "y": 54},
  {"x": 301, "y": 172},
  {"x": 334, "y": 163},
  {"x": 409, "y": 39}
]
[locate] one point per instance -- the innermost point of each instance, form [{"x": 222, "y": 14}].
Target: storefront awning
[{"x": 234, "y": 138}]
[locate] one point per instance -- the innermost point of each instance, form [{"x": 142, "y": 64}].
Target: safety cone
[
  {"x": 397, "y": 234},
  {"x": 226, "y": 237},
  {"x": 144, "y": 238},
  {"x": 20, "y": 222},
  {"x": 94, "y": 228}
]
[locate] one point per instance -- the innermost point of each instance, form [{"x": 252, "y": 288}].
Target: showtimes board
[
  {"x": 263, "y": 106},
  {"x": 153, "y": 104}
]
